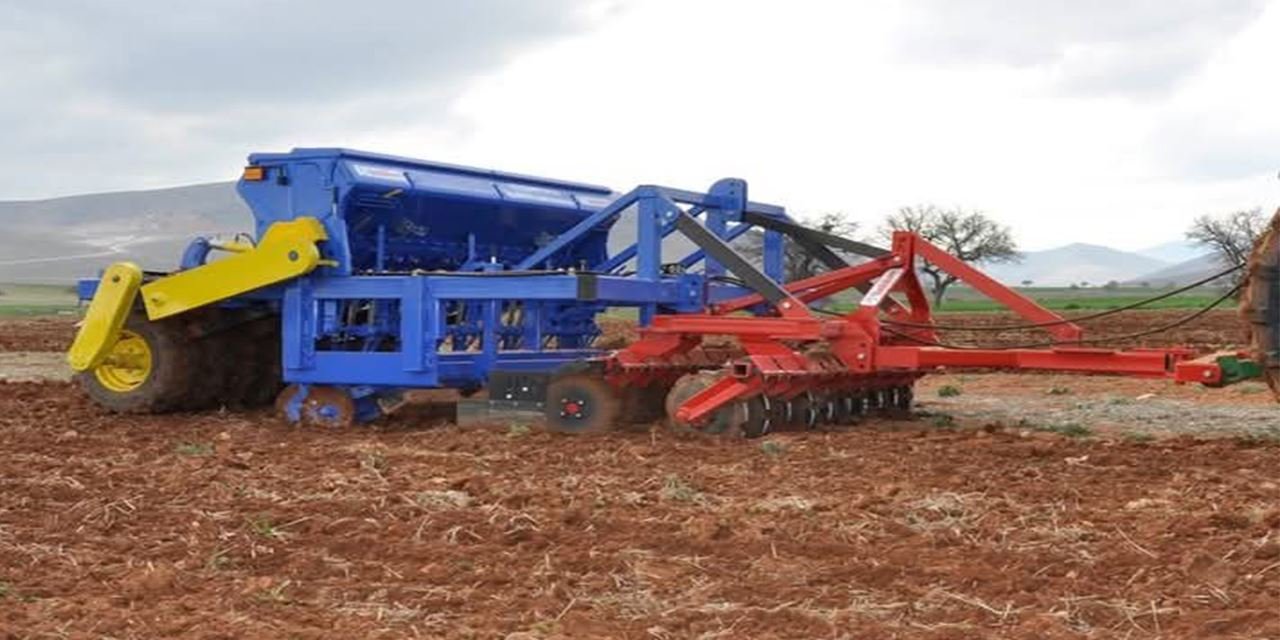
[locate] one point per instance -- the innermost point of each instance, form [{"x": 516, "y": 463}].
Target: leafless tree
[
  {"x": 968, "y": 235},
  {"x": 1231, "y": 236}
]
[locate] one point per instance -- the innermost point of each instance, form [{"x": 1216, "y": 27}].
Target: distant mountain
[
  {"x": 1174, "y": 252},
  {"x": 61, "y": 239},
  {"x": 1182, "y": 273},
  {"x": 1075, "y": 263}
]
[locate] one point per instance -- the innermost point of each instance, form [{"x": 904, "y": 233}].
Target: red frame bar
[
  {"x": 1142, "y": 363},
  {"x": 861, "y": 355},
  {"x": 1025, "y": 307},
  {"x": 819, "y": 286}
]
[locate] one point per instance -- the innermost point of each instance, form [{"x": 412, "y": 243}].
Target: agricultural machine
[{"x": 369, "y": 275}]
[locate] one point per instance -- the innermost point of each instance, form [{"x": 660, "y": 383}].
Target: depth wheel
[
  {"x": 317, "y": 406},
  {"x": 150, "y": 369},
  {"x": 581, "y": 404}
]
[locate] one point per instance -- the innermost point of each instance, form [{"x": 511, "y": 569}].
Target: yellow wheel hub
[{"x": 127, "y": 365}]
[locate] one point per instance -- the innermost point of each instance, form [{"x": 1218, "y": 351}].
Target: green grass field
[
  {"x": 41, "y": 299},
  {"x": 1087, "y": 303},
  {"x": 965, "y": 300},
  {"x": 37, "y": 299}
]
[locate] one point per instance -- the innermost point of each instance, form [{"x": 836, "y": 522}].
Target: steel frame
[
  {"x": 413, "y": 308},
  {"x": 796, "y": 352}
]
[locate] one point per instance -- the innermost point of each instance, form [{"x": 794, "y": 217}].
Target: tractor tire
[
  {"x": 265, "y": 376},
  {"x": 215, "y": 358},
  {"x": 245, "y": 357},
  {"x": 164, "y": 383},
  {"x": 1260, "y": 302}
]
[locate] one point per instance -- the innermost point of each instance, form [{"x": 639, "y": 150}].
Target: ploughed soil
[
  {"x": 1217, "y": 329},
  {"x": 43, "y": 333},
  {"x": 956, "y": 523},
  {"x": 238, "y": 526}
]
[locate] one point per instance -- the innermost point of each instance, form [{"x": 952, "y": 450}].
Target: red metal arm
[
  {"x": 817, "y": 287},
  {"x": 1142, "y": 363},
  {"x": 1025, "y": 307}
]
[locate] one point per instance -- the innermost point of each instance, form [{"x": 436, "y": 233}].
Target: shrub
[{"x": 949, "y": 391}]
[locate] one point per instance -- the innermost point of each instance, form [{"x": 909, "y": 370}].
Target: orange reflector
[{"x": 254, "y": 174}]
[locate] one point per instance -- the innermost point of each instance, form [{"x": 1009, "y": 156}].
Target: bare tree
[
  {"x": 968, "y": 235},
  {"x": 1231, "y": 236}
]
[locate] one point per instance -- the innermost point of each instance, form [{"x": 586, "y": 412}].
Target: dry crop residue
[
  {"x": 237, "y": 526},
  {"x": 52, "y": 333}
]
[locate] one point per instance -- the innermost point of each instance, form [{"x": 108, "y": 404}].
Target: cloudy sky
[{"x": 1100, "y": 121}]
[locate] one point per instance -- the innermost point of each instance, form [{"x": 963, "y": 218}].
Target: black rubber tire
[
  {"x": 246, "y": 355},
  {"x": 268, "y": 371},
  {"x": 599, "y": 405},
  {"x": 1260, "y": 302},
  {"x": 173, "y": 375},
  {"x": 216, "y": 358}
]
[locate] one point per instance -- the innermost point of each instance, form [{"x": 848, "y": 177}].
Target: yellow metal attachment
[
  {"x": 232, "y": 246},
  {"x": 106, "y": 315},
  {"x": 287, "y": 250},
  {"x": 127, "y": 365}
]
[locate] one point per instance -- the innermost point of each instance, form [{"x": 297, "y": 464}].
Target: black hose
[
  {"x": 1103, "y": 340},
  {"x": 1064, "y": 321}
]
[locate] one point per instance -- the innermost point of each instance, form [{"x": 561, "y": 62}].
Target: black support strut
[{"x": 718, "y": 249}]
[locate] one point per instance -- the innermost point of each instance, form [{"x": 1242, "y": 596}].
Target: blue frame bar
[{"x": 453, "y": 328}]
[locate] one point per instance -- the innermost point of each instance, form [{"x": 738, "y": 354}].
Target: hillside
[
  {"x": 1173, "y": 252},
  {"x": 1181, "y": 273},
  {"x": 1075, "y": 263},
  {"x": 61, "y": 239}
]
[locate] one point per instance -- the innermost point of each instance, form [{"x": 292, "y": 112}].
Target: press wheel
[
  {"x": 317, "y": 406},
  {"x": 581, "y": 403}
]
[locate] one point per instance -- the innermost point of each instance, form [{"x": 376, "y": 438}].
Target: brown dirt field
[
  {"x": 1218, "y": 329},
  {"x": 221, "y": 526},
  {"x": 973, "y": 520},
  {"x": 53, "y": 333}
]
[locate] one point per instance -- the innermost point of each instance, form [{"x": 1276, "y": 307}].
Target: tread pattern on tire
[{"x": 201, "y": 360}]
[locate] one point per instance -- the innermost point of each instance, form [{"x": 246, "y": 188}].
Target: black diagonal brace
[
  {"x": 720, "y": 250},
  {"x": 818, "y": 244},
  {"x": 815, "y": 242}
]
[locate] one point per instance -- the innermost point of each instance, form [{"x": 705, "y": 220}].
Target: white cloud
[
  {"x": 814, "y": 104},
  {"x": 1104, "y": 122}
]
